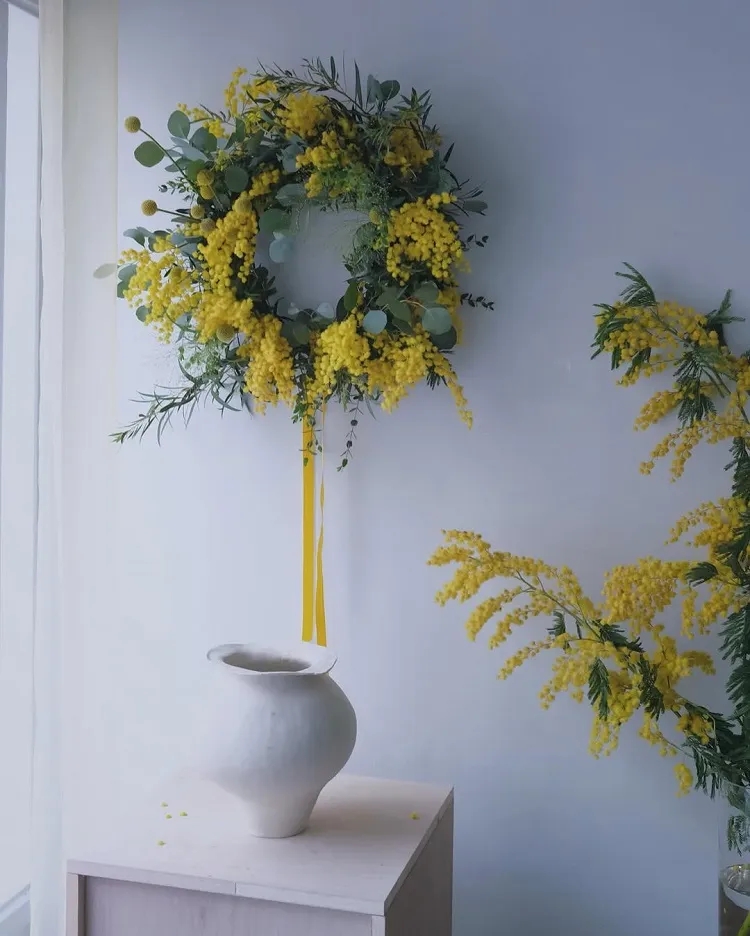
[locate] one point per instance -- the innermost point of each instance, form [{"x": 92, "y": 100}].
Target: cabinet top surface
[{"x": 364, "y": 836}]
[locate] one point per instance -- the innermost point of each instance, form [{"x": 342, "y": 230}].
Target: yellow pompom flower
[
  {"x": 132, "y": 124},
  {"x": 149, "y": 207},
  {"x": 197, "y": 212}
]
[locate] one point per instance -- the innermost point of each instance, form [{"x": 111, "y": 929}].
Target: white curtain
[{"x": 78, "y": 90}]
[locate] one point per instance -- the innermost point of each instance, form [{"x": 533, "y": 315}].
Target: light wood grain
[
  {"x": 122, "y": 908},
  {"x": 75, "y": 905},
  {"x": 361, "y": 844},
  {"x": 423, "y": 904}
]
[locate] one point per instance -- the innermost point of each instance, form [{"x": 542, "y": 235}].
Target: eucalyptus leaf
[
  {"x": 475, "y": 205},
  {"x": 374, "y": 92},
  {"x": 253, "y": 142},
  {"x": 188, "y": 150},
  {"x": 178, "y": 124},
  {"x": 137, "y": 234},
  {"x": 289, "y": 194},
  {"x": 149, "y": 153},
  {"x": 280, "y": 250},
  {"x": 427, "y": 294},
  {"x": 236, "y": 178},
  {"x": 301, "y": 333},
  {"x": 177, "y": 239},
  {"x": 389, "y": 89},
  {"x": 325, "y": 310},
  {"x": 375, "y": 321},
  {"x": 141, "y": 312},
  {"x": 400, "y": 310},
  {"x": 351, "y": 296},
  {"x": 274, "y": 220},
  {"x": 105, "y": 270},
  {"x": 437, "y": 320},
  {"x": 239, "y": 130},
  {"x": 365, "y": 235},
  {"x": 203, "y": 140},
  {"x": 121, "y": 287},
  {"x": 446, "y": 340},
  {"x": 126, "y": 273}
]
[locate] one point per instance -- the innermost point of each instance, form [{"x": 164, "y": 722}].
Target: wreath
[{"x": 286, "y": 143}]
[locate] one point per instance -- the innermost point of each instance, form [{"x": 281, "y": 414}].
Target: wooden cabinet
[{"x": 377, "y": 860}]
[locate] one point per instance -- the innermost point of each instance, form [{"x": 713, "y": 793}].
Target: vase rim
[{"x": 261, "y": 660}]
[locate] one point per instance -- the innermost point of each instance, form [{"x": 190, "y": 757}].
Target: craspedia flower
[
  {"x": 197, "y": 212},
  {"x": 225, "y": 333},
  {"x": 206, "y": 192},
  {"x": 149, "y": 207},
  {"x": 132, "y": 124},
  {"x": 208, "y": 225}
]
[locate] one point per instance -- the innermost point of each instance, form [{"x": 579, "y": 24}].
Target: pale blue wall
[{"x": 603, "y": 131}]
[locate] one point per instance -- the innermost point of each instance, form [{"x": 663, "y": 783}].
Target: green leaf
[
  {"x": 137, "y": 234},
  {"x": 280, "y": 250},
  {"x": 558, "y": 628},
  {"x": 301, "y": 333},
  {"x": 193, "y": 168},
  {"x": 178, "y": 124},
  {"x": 427, "y": 294},
  {"x": 475, "y": 205},
  {"x": 701, "y": 572},
  {"x": 126, "y": 273},
  {"x": 252, "y": 145},
  {"x": 141, "y": 312},
  {"x": 236, "y": 178},
  {"x": 374, "y": 91},
  {"x": 446, "y": 341},
  {"x": 325, "y": 310},
  {"x": 357, "y": 85},
  {"x": 149, "y": 153},
  {"x": 239, "y": 130},
  {"x": 289, "y": 156},
  {"x": 203, "y": 140},
  {"x": 188, "y": 151},
  {"x": 437, "y": 320},
  {"x": 105, "y": 270},
  {"x": 274, "y": 220},
  {"x": 389, "y": 89},
  {"x": 290, "y": 194},
  {"x": 121, "y": 287},
  {"x": 375, "y": 321},
  {"x": 351, "y": 296},
  {"x": 598, "y": 693},
  {"x": 178, "y": 239}
]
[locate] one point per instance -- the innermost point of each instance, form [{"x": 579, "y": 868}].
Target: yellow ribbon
[{"x": 313, "y": 596}]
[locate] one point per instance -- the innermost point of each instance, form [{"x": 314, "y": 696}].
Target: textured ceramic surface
[{"x": 277, "y": 728}]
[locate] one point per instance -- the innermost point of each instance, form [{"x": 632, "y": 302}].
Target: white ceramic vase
[{"x": 277, "y": 728}]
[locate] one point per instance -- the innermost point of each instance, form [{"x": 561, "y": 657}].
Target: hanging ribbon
[{"x": 313, "y": 596}]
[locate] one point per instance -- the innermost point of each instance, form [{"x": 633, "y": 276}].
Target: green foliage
[
  {"x": 178, "y": 124},
  {"x": 149, "y": 153},
  {"x": 598, "y": 692}
]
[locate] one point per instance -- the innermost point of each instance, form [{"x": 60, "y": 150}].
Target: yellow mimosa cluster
[
  {"x": 405, "y": 150},
  {"x": 420, "y": 234},
  {"x": 304, "y": 113}
]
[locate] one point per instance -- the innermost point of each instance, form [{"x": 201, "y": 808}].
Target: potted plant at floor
[{"x": 616, "y": 653}]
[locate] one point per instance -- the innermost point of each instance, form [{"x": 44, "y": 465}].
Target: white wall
[{"x": 602, "y": 132}]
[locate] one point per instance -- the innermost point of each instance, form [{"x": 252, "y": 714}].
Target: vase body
[
  {"x": 276, "y": 729},
  {"x": 734, "y": 861}
]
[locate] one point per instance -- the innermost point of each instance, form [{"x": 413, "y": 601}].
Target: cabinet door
[{"x": 122, "y": 908}]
